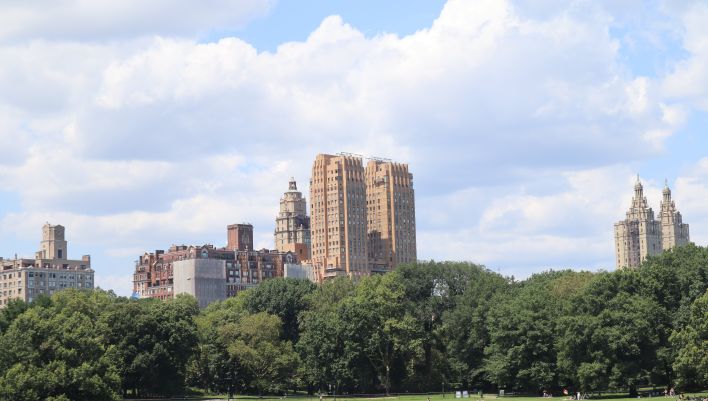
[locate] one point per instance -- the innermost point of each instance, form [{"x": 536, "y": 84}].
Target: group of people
[
  {"x": 670, "y": 392},
  {"x": 569, "y": 396}
]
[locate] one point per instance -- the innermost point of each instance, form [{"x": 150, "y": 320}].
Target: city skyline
[{"x": 524, "y": 123}]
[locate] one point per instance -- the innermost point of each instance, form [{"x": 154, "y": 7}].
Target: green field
[{"x": 438, "y": 397}]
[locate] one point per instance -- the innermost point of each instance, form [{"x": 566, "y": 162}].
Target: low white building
[
  {"x": 300, "y": 271},
  {"x": 205, "y": 279}
]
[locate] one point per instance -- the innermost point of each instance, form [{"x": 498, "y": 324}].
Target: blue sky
[
  {"x": 140, "y": 125},
  {"x": 294, "y": 20}
]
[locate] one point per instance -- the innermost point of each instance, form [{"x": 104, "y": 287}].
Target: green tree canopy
[
  {"x": 58, "y": 351},
  {"x": 283, "y": 297},
  {"x": 691, "y": 344}
]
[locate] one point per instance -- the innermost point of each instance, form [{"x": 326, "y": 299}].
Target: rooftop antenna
[
  {"x": 379, "y": 159},
  {"x": 350, "y": 154}
]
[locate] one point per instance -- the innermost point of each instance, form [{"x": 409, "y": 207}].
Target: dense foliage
[{"x": 424, "y": 327}]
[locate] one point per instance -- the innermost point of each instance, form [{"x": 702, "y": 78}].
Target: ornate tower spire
[
  {"x": 292, "y": 225},
  {"x": 638, "y": 189},
  {"x": 673, "y": 231},
  {"x": 666, "y": 192}
]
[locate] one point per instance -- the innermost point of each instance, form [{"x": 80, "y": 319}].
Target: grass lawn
[{"x": 439, "y": 397}]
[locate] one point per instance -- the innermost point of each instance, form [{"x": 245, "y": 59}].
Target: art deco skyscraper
[
  {"x": 338, "y": 216},
  {"x": 292, "y": 226},
  {"x": 390, "y": 215}
]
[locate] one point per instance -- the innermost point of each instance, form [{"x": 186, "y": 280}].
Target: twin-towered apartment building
[
  {"x": 362, "y": 221},
  {"x": 639, "y": 235},
  {"x": 362, "y": 218}
]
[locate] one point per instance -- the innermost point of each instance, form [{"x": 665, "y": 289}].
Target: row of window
[
  {"x": 59, "y": 284},
  {"x": 10, "y": 293}
]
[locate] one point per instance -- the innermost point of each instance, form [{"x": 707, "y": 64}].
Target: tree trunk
[
  {"x": 633, "y": 391},
  {"x": 388, "y": 379}
]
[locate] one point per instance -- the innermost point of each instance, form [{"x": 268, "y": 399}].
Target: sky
[{"x": 138, "y": 125}]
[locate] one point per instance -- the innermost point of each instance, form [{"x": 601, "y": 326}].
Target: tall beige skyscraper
[
  {"x": 292, "y": 226},
  {"x": 390, "y": 215},
  {"x": 338, "y": 216},
  {"x": 639, "y": 235}
]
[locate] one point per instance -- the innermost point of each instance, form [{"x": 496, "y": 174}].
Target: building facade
[
  {"x": 207, "y": 272},
  {"x": 362, "y": 219},
  {"x": 48, "y": 272},
  {"x": 640, "y": 235},
  {"x": 292, "y": 226},
  {"x": 390, "y": 202},
  {"x": 338, "y": 216}
]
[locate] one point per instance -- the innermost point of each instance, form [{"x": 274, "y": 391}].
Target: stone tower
[
  {"x": 639, "y": 234},
  {"x": 239, "y": 237},
  {"x": 673, "y": 231},
  {"x": 292, "y": 226},
  {"x": 53, "y": 244}
]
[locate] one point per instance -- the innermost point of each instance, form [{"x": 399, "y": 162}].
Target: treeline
[{"x": 422, "y": 328}]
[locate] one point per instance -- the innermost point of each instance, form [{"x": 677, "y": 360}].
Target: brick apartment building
[{"x": 207, "y": 272}]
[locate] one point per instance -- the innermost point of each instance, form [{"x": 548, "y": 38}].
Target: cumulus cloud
[
  {"x": 690, "y": 194},
  {"x": 689, "y": 79},
  {"x": 518, "y": 228},
  {"x": 119, "y": 19},
  {"x": 552, "y": 86}
]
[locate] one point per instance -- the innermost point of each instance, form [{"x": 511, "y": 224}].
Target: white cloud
[
  {"x": 459, "y": 79},
  {"x": 689, "y": 79},
  {"x": 690, "y": 193},
  {"x": 518, "y": 230},
  {"x": 119, "y": 19},
  {"x": 120, "y": 284}
]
